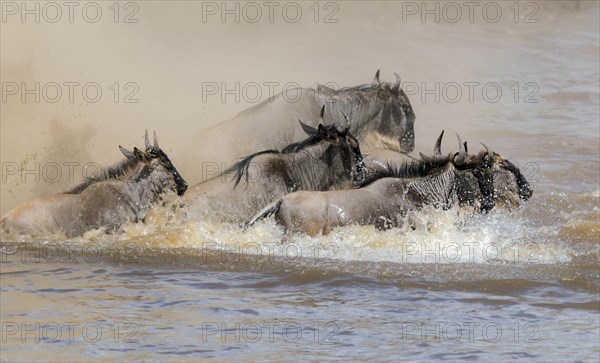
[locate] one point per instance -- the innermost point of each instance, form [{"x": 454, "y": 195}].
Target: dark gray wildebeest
[
  {"x": 123, "y": 193},
  {"x": 381, "y": 114},
  {"x": 383, "y": 199},
  {"x": 328, "y": 159}
]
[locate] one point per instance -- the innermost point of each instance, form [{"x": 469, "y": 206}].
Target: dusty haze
[{"x": 170, "y": 52}]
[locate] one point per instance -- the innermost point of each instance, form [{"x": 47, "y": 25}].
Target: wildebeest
[
  {"x": 482, "y": 181},
  {"x": 328, "y": 159},
  {"x": 382, "y": 117},
  {"x": 120, "y": 194}
]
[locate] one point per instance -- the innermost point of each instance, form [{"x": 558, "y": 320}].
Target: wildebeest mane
[
  {"x": 345, "y": 90},
  {"x": 408, "y": 169},
  {"x": 241, "y": 167},
  {"x": 348, "y": 96},
  {"x": 114, "y": 172},
  {"x": 325, "y": 91}
]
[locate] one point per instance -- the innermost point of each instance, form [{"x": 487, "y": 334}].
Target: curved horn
[
  {"x": 128, "y": 154},
  {"x": 156, "y": 147},
  {"x": 137, "y": 153},
  {"x": 308, "y": 129},
  {"x": 437, "y": 149},
  {"x": 348, "y": 122},
  {"x": 487, "y": 149},
  {"x": 148, "y": 146},
  {"x": 462, "y": 153},
  {"x": 376, "y": 79},
  {"x": 397, "y": 85},
  {"x": 425, "y": 158}
]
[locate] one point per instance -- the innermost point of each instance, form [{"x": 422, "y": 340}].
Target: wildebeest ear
[
  {"x": 396, "y": 87},
  {"x": 425, "y": 158},
  {"x": 308, "y": 129},
  {"x": 323, "y": 131},
  {"x": 376, "y": 79},
  {"x": 128, "y": 154},
  {"x": 138, "y": 154}
]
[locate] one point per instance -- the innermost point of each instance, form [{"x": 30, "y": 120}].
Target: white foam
[
  {"x": 438, "y": 237},
  {"x": 442, "y": 237}
]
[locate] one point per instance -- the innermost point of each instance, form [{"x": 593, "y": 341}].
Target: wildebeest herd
[{"x": 312, "y": 185}]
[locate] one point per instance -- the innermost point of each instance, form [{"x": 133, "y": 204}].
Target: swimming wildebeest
[
  {"x": 328, "y": 159},
  {"x": 120, "y": 194},
  {"x": 381, "y": 114},
  {"x": 482, "y": 181}
]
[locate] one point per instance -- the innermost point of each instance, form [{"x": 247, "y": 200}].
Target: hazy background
[
  {"x": 171, "y": 50},
  {"x": 546, "y": 272}
]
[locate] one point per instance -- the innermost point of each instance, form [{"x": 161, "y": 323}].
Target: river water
[{"x": 520, "y": 286}]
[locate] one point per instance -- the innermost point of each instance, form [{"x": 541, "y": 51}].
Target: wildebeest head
[
  {"x": 155, "y": 163},
  {"x": 383, "y": 116},
  {"x": 396, "y": 125},
  {"x": 343, "y": 142},
  {"x": 483, "y": 180},
  {"x": 488, "y": 178}
]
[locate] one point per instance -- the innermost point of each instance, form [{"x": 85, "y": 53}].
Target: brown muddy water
[{"x": 519, "y": 286}]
